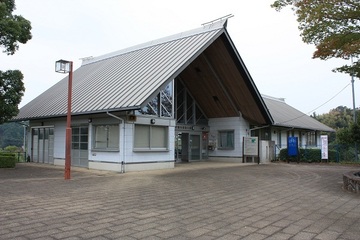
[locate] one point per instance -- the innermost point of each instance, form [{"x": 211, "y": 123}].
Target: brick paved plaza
[{"x": 192, "y": 201}]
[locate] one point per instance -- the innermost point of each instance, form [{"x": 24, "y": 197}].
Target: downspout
[
  {"x": 25, "y": 142},
  {"x": 123, "y": 121}
]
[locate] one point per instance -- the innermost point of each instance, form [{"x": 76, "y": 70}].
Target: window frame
[
  {"x": 78, "y": 138},
  {"x": 311, "y": 139},
  {"x": 162, "y": 105},
  {"x": 108, "y": 147},
  {"x": 227, "y": 132},
  {"x": 150, "y": 142}
]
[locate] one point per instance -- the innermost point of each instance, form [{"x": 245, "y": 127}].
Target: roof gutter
[{"x": 256, "y": 128}]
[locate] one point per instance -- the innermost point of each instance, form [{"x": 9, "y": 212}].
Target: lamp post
[
  {"x": 63, "y": 66},
  {"x": 354, "y": 108}
]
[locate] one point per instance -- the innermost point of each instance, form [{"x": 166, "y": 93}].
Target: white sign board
[
  {"x": 324, "y": 146},
  {"x": 251, "y": 146}
]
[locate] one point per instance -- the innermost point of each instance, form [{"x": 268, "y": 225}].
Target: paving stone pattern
[{"x": 192, "y": 201}]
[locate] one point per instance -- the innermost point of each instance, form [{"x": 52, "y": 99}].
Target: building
[
  {"x": 187, "y": 97},
  {"x": 290, "y": 122}
]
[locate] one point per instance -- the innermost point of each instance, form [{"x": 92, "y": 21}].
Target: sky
[{"x": 269, "y": 43}]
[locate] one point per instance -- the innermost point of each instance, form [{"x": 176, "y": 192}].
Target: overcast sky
[{"x": 280, "y": 64}]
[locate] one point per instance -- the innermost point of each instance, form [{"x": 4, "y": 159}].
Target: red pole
[{"x": 68, "y": 127}]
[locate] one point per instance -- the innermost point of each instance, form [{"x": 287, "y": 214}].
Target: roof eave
[
  {"x": 77, "y": 114},
  {"x": 304, "y": 128}
]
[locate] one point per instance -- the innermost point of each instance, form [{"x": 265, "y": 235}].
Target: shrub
[
  {"x": 13, "y": 149},
  {"x": 307, "y": 155},
  {"x": 7, "y": 160}
]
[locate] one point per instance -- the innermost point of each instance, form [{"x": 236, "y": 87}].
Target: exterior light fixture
[{"x": 63, "y": 66}]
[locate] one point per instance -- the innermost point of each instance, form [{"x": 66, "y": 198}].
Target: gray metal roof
[
  {"x": 141, "y": 70},
  {"x": 286, "y": 116}
]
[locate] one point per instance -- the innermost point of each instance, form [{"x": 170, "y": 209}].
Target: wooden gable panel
[
  {"x": 206, "y": 90},
  {"x": 236, "y": 79},
  {"x": 220, "y": 85}
]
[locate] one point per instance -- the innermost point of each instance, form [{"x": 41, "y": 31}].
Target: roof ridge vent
[
  {"x": 273, "y": 98},
  {"x": 221, "y": 19}
]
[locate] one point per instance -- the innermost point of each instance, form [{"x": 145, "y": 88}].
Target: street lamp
[
  {"x": 63, "y": 66},
  {"x": 354, "y": 108}
]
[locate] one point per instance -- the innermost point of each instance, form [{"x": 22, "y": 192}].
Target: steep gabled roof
[
  {"x": 286, "y": 116},
  {"x": 127, "y": 79}
]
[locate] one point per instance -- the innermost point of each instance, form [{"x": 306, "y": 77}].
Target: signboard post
[
  {"x": 324, "y": 147},
  {"x": 292, "y": 147},
  {"x": 251, "y": 148}
]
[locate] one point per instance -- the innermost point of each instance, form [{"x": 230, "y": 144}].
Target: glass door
[{"x": 195, "y": 147}]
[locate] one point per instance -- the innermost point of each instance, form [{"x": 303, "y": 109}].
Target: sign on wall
[{"x": 324, "y": 147}]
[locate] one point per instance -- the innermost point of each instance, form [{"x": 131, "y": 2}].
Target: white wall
[
  {"x": 59, "y": 139},
  {"x": 126, "y": 142},
  {"x": 108, "y": 160},
  {"x": 241, "y": 129},
  {"x": 149, "y": 156}
]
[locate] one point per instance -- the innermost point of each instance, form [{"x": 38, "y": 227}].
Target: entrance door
[
  {"x": 185, "y": 156},
  {"x": 35, "y": 145},
  {"x": 79, "y": 149},
  {"x": 42, "y": 145},
  {"x": 195, "y": 149},
  {"x": 188, "y": 147}
]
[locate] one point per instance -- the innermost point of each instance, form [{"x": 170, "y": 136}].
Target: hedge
[
  {"x": 307, "y": 155},
  {"x": 7, "y": 160}
]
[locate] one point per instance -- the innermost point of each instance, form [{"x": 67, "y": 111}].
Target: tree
[
  {"x": 355, "y": 132},
  {"x": 341, "y": 119},
  {"x": 14, "y": 29},
  {"x": 333, "y": 26},
  {"x": 337, "y": 118},
  {"x": 11, "y": 134},
  {"x": 11, "y": 91}
]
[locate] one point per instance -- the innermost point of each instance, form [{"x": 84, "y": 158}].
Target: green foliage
[
  {"x": 341, "y": 119},
  {"x": 11, "y": 90},
  {"x": 11, "y": 134},
  {"x": 14, "y": 29},
  {"x": 355, "y": 132},
  {"x": 333, "y": 26},
  {"x": 7, "y": 160},
  {"x": 344, "y": 152},
  {"x": 307, "y": 155},
  {"x": 17, "y": 152},
  {"x": 343, "y": 136},
  {"x": 350, "y": 134},
  {"x": 12, "y": 149}
]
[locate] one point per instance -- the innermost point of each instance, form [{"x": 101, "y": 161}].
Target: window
[
  {"x": 106, "y": 137},
  {"x": 311, "y": 139},
  {"x": 187, "y": 109},
  {"x": 149, "y": 137},
  {"x": 226, "y": 139},
  {"x": 279, "y": 139},
  {"x": 161, "y": 105},
  {"x": 265, "y": 134},
  {"x": 80, "y": 138}
]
